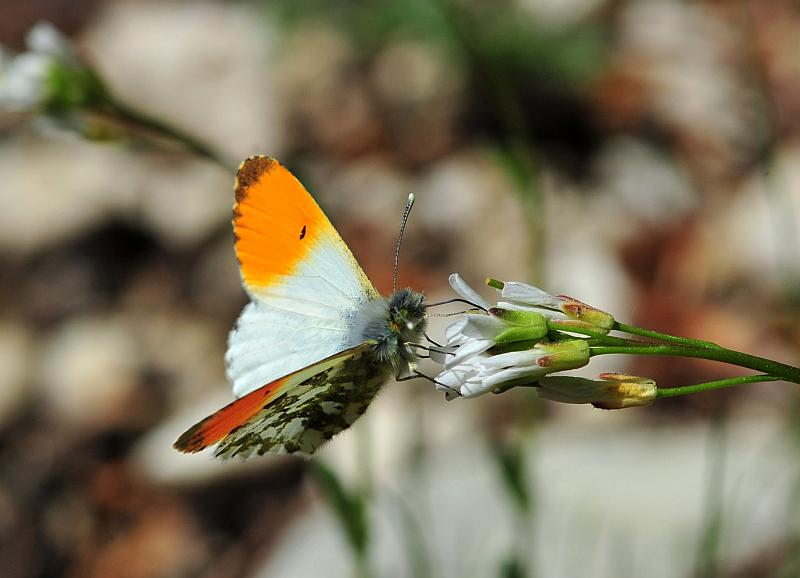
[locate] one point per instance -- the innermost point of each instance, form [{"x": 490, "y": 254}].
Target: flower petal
[
  {"x": 530, "y": 295},
  {"x": 455, "y": 330},
  {"x": 460, "y": 286},
  {"x": 473, "y": 388},
  {"x": 513, "y": 358},
  {"x": 451, "y": 378},
  {"x": 468, "y": 350},
  {"x": 481, "y": 326},
  {"x": 492, "y": 381}
]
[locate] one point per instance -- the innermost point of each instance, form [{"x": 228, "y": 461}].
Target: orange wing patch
[
  {"x": 276, "y": 221},
  {"x": 218, "y": 425}
]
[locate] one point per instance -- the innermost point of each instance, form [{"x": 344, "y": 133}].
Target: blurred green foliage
[
  {"x": 350, "y": 508},
  {"x": 507, "y": 40},
  {"x": 512, "y": 467}
]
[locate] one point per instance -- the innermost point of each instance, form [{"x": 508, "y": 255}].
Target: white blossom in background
[
  {"x": 49, "y": 70},
  {"x": 22, "y": 81},
  {"x": 46, "y": 40},
  {"x": 57, "y": 90}
]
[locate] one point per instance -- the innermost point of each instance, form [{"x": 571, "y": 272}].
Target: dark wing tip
[
  {"x": 250, "y": 171},
  {"x": 192, "y": 440}
]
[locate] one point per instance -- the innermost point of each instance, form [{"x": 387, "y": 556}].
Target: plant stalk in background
[{"x": 51, "y": 82}]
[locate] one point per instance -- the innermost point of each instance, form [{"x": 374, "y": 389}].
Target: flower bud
[
  {"x": 628, "y": 391},
  {"x": 522, "y": 325},
  {"x": 611, "y": 391},
  {"x": 562, "y": 355},
  {"x": 582, "y": 312}
]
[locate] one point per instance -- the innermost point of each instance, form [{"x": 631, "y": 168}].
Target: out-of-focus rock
[
  {"x": 362, "y": 191},
  {"x": 327, "y": 103},
  {"x": 468, "y": 197},
  {"x": 87, "y": 368},
  {"x": 752, "y": 237},
  {"x": 16, "y": 347},
  {"x": 161, "y": 540},
  {"x": 423, "y": 93},
  {"x": 186, "y": 201},
  {"x": 643, "y": 181},
  {"x": 186, "y": 351},
  {"x": 205, "y": 66},
  {"x": 216, "y": 283},
  {"x": 61, "y": 188},
  {"x": 683, "y": 54},
  {"x": 155, "y": 457},
  {"x": 774, "y": 26},
  {"x": 54, "y": 189}
]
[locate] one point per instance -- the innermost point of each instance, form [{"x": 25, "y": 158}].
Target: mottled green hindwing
[{"x": 312, "y": 412}]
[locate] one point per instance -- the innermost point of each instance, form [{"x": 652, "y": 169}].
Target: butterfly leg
[
  {"x": 432, "y": 380},
  {"x": 441, "y": 349},
  {"x": 428, "y": 337},
  {"x": 447, "y": 302}
]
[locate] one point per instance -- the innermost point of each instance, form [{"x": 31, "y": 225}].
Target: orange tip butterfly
[{"x": 316, "y": 343}]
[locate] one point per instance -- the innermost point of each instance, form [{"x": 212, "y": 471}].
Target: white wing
[{"x": 296, "y": 322}]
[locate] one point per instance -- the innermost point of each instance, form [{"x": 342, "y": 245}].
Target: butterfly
[{"x": 316, "y": 342}]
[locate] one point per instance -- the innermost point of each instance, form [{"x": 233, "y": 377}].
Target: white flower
[
  {"x": 481, "y": 372},
  {"x": 527, "y": 297},
  {"x": 46, "y": 40},
  {"x": 460, "y": 286},
  {"x": 472, "y": 367},
  {"x": 25, "y": 78}
]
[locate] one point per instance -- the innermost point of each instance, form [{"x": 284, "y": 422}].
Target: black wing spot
[{"x": 303, "y": 232}]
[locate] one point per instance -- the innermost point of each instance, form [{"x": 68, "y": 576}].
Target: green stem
[
  {"x": 633, "y": 330},
  {"x": 362, "y": 567},
  {"x": 149, "y": 123},
  {"x": 708, "y": 548},
  {"x": 710, "y": 385},
  {"x": 596, "y": 336},
  {"x": 716, "y": 353}
]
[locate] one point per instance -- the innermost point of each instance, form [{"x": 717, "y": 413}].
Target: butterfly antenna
[{"x": 409, "y": 204}]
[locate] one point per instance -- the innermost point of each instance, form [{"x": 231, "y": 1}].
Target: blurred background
[{"x": 642, "y": 156}]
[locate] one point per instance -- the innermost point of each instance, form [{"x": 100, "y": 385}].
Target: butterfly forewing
[
  {"x": 312, "y": 412},
  {"x": 305, "y": 284}
]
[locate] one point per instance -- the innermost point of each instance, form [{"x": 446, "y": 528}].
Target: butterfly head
[{"x": 394, "y": 324}]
